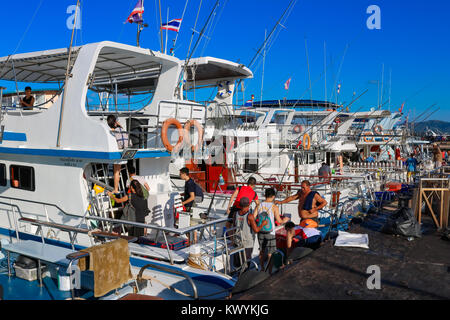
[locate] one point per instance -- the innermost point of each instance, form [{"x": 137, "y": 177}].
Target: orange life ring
[
  {"x": 378, "y": 129},
  {"x": 165, "y": 128},
  {"x": 306, "y": 145},
  {"x": 298, "y": 128},
  {"x": 187, "y": 133},
  {"x": 386, "y": 139},
  {"x": 368, "y": 133}
]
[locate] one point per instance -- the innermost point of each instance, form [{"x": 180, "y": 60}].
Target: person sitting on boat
[
  {"x": 192, "y": 191},
  {"x": 142, "y": 181},
  {"x": 309, "y": 204},
  {"x": 122, "y": 142},
  {"x": 308, "y": 235},
  {"x": 325, "y": 172},
  {"x": 241, "y": 192},
  {"x": 411, "y": 167},
  {"x": 27, "y": 102},
  {"x": 245, "y": 221},
  {"x": 268, "y": 211},
  {"x": 139, "y": 203}
]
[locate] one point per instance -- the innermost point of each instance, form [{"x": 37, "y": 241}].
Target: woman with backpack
[
  {"x": 268, "y": 211},
  {"x": 136, "y": 209}
]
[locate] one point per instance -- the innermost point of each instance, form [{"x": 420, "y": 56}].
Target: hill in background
[{"x": 435, "y": 125}]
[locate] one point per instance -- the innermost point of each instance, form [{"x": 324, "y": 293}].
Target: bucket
[{"x": 63, "y": 281}]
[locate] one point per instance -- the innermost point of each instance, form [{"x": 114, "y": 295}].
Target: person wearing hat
[{"x": 244, "y": 221}]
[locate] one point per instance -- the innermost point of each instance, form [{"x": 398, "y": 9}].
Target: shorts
[
  {"x": 411, "y": 173},
  {"x": 267, "y": 240}
]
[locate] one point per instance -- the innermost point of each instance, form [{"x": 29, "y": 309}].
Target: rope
[{"x": 147, "y": 277}]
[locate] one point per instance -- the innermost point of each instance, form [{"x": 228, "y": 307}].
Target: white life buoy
[{"x": 224, "y": 90}]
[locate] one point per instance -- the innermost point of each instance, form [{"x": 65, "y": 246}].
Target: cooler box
[
  {"x": 280, "y": 236},
  {"x": 175, "y": 243}
]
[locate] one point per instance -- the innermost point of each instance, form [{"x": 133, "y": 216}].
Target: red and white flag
[
  {"x": 401, "y": 108},
  {"x": 286, "y": 85}
]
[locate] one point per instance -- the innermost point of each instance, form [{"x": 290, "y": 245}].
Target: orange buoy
[
  {"x": 306, "y": 142},
  {"x": 165, "y": 139},
  {"x": 187, "y": 131},
  {"x": 368, "y": 133}
]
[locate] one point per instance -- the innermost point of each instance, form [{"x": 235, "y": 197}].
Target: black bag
[
  {"x": 129, "y": 214},
  {"x": 403, "y": 223},
  {"x": 198, "y": 193}
]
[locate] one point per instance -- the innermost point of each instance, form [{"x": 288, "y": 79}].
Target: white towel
[{"x": 346, "y": 239}]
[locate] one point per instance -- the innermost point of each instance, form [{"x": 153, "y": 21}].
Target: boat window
[
  {"x": 279, "y": 117},
  {"x": 2, "y": 175},
  {"x": 22, "y": 177},
  {"x": 251, "y": 165}
]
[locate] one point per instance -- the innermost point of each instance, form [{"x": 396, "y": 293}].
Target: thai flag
[
  {"x": 287, "y": 84},
  {"x": 136, "y": 14},
  {"x": 173, "y": 25}
]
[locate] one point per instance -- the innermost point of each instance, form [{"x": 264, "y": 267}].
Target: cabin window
[
  {"x": 251, "y": 165},
  {"x": 22, "y": 177},
  {"x": 2, "y": 175}
]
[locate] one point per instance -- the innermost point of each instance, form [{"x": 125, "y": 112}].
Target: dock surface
[{"x": 418, "y": 269}]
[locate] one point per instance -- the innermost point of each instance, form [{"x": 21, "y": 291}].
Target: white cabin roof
[
  {"x": 115, "y": 60},
  {"x": 209, "y": 71}
]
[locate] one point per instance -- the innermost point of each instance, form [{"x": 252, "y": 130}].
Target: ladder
[
  {"x": 2, "y": 114},
  {"x": 100, "y": 203}
]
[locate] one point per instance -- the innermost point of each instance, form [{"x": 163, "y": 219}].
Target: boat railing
[
  {"x": 169, "y": 270},
  {"x": 164, "y": 230}
]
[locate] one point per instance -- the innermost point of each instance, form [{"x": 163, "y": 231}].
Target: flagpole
[
  {"x": 167, "y": 31},
  {"x": 182, "y": 17},
  {"x": 160, "y": 30}
]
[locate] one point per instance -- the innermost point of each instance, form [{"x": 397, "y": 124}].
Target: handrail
[{"x": 177, "y": 272}]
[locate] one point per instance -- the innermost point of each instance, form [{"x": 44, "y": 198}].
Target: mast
[{"x": 264, "y": 62}]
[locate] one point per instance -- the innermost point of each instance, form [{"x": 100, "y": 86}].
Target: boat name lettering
[{"x": 70, "y": 162}]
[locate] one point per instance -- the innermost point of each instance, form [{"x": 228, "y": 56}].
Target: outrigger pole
[{"x": 58, "y": 142}]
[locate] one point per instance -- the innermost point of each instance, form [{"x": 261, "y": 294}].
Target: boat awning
[
  {"x": 206, "y": 71},
  {"x": 116, "y": 62},
  {"x": 43, "y": 66}
]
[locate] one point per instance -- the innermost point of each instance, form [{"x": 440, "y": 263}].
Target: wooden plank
[{"x": 432, "y": 212}]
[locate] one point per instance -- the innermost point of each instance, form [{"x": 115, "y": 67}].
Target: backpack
[
  {"x": 198, "y": 192},
  {"x": 264, "y": 216}
]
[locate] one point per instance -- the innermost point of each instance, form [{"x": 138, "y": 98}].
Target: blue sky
[{"x": 413, "y": 43}]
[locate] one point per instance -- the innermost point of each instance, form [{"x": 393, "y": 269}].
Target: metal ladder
[
  {"x": 100, "y": 203},
  {"x": 2, "y": 114},
  {"x": 232, "y": 237}
]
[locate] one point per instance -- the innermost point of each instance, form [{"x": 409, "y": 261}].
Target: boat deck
[{"x": 418, "y": 269}]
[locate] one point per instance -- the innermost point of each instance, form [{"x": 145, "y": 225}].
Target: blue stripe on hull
[
  {"x": 14, "y": 136},
  {"x": 82, "y": 154}
]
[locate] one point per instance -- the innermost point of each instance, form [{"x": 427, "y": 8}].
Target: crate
[{"x": 29, "y": 274}]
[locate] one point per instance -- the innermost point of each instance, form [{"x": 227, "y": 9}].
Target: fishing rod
[
  {"x": 291, "y": 4},
  {"x": 310, "y": 128},
  {"x": 197, "y": 42}
]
